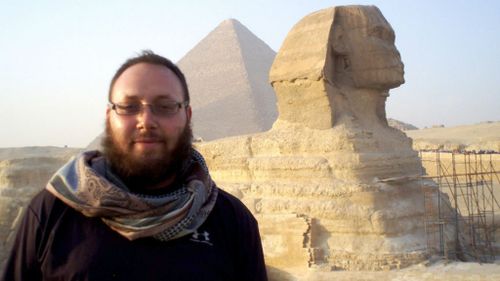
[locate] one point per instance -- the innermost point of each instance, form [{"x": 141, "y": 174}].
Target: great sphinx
[{"x": 331, "y": 184}]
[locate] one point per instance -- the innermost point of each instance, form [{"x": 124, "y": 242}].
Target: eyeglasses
[{"x": 162, "y": 108}]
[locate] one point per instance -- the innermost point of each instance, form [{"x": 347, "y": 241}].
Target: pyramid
[{"x": 227, "y": 76}]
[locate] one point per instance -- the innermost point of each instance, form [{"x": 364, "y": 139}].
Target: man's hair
[{"x": 148, "y": 56}]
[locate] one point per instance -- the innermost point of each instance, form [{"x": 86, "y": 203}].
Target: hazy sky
[{"x": 57, "y": 57}]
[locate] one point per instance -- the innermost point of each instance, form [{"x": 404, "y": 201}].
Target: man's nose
[{"x": 146, "y": 118}]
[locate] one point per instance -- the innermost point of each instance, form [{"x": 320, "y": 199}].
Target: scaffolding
[{"x": 460, "y": 208}]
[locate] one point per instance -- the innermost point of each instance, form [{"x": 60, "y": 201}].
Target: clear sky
[{"x": 57, "y": 57}]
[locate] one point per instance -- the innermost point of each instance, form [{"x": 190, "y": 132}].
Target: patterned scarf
[{"x": 87, "y": 185}]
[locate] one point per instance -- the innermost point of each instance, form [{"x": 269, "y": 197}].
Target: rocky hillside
[
  {"x": 23, "y": 172},
  {"x": 400, "y": 125},
  {"x": 37, "y": 151}
]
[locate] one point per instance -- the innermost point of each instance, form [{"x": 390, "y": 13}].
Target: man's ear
[{"x": 189, "y": 113}]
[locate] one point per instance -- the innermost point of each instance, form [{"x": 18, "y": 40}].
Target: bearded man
[{"x": 145, "y": 208}]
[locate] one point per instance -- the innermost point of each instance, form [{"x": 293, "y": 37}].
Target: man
[{"x": 143, "y": 209}]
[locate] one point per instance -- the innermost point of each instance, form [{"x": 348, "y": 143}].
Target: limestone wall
[
  {"x": 470, "y": 168},
  {"x": 318, "y": 199},
  {"x": 20, "y": 180}
]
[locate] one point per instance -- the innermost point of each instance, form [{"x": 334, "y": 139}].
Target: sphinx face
[{"x": 366, "y": 56}]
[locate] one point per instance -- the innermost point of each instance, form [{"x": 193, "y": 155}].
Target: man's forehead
[
  {"x": 151, "y": 80},
  {"x": 147, "y": 71},
  {"x": 138, "y": 96}
]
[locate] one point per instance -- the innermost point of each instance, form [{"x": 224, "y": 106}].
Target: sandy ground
[
  {"x": 484, "y": 136},
  {"x": 439, "y": 270},
  {"x": 37, "y": 151}
]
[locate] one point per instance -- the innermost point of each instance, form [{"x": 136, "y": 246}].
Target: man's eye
[
  {"x": 129, "y": 107},
  {"x": 167, "y": 107}
]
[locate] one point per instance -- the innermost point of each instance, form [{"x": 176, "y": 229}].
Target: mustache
[{"x": 148, "y": 136}]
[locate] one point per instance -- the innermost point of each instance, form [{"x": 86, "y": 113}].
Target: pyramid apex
[{"x": 230, "y": 21}]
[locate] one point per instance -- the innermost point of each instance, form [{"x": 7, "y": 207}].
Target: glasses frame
[{"x": 180, "y": 105}]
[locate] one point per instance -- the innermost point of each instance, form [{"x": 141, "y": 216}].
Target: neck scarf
[{"x": 87, "y": 185}]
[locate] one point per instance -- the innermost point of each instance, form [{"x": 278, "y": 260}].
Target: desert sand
[
  {"x": 438, "y": 270},
  {"x": 483, "y": 136}
]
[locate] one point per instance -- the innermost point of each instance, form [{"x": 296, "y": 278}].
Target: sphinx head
[
  {"x": 337, "y": 64},
  {"x": 364, "y": 54}
]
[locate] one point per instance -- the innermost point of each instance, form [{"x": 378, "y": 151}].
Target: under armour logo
[{"x": 203, "y": 237}]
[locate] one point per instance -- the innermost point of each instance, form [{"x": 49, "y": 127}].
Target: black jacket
[{"x": 56, "y": 242}]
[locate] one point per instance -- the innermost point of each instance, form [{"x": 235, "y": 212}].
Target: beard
[{"x": 138, "y": 172}]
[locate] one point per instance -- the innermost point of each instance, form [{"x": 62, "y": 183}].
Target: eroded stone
[{"x": 322, "y": 168}]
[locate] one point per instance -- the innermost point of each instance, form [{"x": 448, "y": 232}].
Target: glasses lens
[
  {"x": 128, "y": 109},
  {"x": 166, "y": 108}
]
